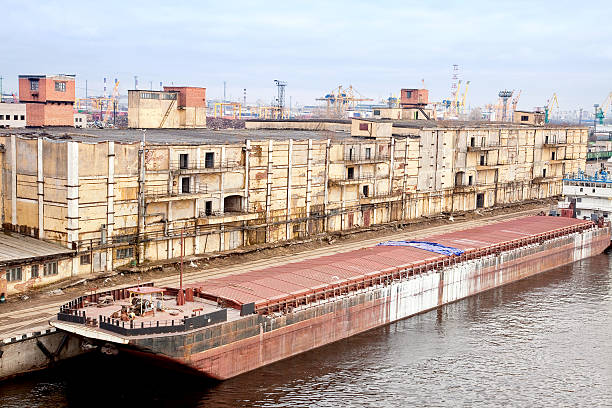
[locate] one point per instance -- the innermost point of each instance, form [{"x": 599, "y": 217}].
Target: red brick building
[
  {"x": 411, "y": 98},
  {"x": 49, "y": 99}
]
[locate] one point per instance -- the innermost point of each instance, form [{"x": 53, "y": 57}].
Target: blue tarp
[{"x": 427, "y": 246}]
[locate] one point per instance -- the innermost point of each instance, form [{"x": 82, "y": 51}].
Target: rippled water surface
[{"x": 544, "y": 341}]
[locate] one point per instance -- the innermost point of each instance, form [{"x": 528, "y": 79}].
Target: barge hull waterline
[{"x": 264, "y": 340}]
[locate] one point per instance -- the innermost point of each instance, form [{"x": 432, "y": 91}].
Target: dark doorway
[
  {"x": 209, "y": 160},
  {"x": 185, "y": 185},
  {"x": 183, "y": 161},
  {"x": 480, "y": 200},
  {"x": 232, "y": 203}
]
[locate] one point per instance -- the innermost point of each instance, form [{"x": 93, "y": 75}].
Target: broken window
[
  {"x": 208, "y": 208},
  {"x": 552, "y": 155},
  {"x": 185, "y": 185},
  {"x": 50, "y": 269},
  {"x": 86, "y": 259},
  {"x": 183, "y": 161},
  {"x": 543, "y": 172},
  {"x": 124, "y": 253},
  {"x": 34, "y": 271},
  {"x": 482, "y": 160},
  {"x": 13, "y": 274},
  {"x": 472, "y": 141},
  {"x": 368, "y": 153},
  {"x": 366, "y": 191},
  {"x": 350, "y": 173},
  {"x": 470, "y": 180},
  {"x": 209, "y": 160}
]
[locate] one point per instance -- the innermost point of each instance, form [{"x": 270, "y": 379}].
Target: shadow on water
[{"x": 124, "y": 380}]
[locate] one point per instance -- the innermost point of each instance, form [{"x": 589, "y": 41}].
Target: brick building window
[
  {"x": 33, "y": 84},
  {"x": 50, "y": 269},
  {"x": 13, "y": 274},
  {"x": 34, "y": 271},
  {"x": 60, "y": 86},
  {"x": 149, "y": 95},
  {"x": 124, "y": 253}
]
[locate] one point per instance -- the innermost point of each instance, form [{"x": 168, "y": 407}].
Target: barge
[{"x": 227, "y": 326}]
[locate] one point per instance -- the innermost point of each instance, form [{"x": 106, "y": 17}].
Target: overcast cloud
[{"x": 378, "y": 47}]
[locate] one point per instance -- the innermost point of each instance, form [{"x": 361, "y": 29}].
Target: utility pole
[
  {"x": 224, "y": 87},
  {"x": 151, "y": 85},
  {"x": 595, "y": 119},
  {"x": 135, "y": 81},
  {"x": 580, "y": 117},
  {"x": 1, "y": 89}
]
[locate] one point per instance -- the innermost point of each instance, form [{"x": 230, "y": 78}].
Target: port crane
[
  {"x": 550, "y": 105},
  {"x": 342, "y": 98},
  {"x": 604, "y": 108},
  {"x": 111, "y": 102},
  {"x": 515, "y": 101}
]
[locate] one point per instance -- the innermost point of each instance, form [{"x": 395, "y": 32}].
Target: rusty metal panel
[{"x": 296, "y": 279}]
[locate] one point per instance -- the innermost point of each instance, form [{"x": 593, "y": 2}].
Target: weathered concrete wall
[{"x": 23, "y": 355}]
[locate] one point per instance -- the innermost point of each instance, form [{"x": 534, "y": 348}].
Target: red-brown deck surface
[{"x": 308, "y": 276}]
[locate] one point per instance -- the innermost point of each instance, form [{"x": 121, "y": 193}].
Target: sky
[{"x": 539, "y": 47}]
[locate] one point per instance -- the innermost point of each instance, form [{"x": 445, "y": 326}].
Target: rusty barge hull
[{"x": 235, "y": 347}]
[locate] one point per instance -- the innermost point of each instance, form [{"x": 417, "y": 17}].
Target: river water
[{"x": 544, "y": 341}]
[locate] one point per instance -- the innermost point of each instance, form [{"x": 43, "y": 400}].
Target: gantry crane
[
  {"x": 463, "y": 97},
  {"x": 603, "y": 109},
  {"x": 550, "y": 105},
  {"x": 341, "y": 99}
]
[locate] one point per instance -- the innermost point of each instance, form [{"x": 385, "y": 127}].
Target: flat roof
[
  {"x": 176, "y": 136},
  {"x": 423, "y": 124},
  {"x": 17, "y": 248},
  {"x": 283, "y": 282}
]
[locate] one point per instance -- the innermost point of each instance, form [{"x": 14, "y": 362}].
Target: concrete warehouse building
[
  {"x": 176, "y": 107},
  {"x": 116, "y": 200}
]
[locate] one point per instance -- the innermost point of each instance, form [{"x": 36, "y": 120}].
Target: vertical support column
[
  {"x": 223, "y": 165},
  {"x": 196, "y": 186},
  {"x": 404, "y": 175},
  {"x": 40, "y": 184},
  {"x": 308, "y": 185},
  {"x": 374, "y": 185},
  {"x": 326, "y": 186},
  {"x": 289, "y": 181},
  {"x": 269, "y": 188},
  {"x": 247, "y": 165},
  {"x": 110, "y": 202},
  {"x": 391, "y": 172},
  {"x": 222, "y": 238},
  {"x": 13, "y": 180},
  {"x": 169, "y": 242},
  {"x": 72, "y": 197}
]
